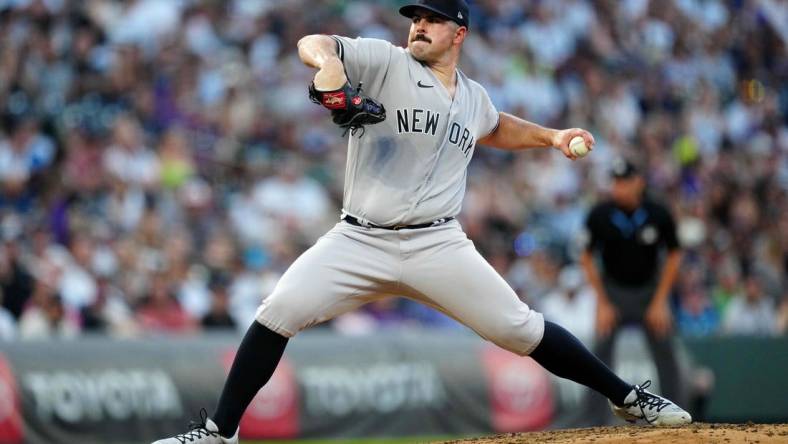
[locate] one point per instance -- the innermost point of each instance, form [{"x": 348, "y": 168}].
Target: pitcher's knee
[
  {"x": 282, "y": 315},
  {"x": 519, "y": 336}
]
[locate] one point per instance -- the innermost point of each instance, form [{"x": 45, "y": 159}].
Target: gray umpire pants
[{"x": 631, "y": 303}]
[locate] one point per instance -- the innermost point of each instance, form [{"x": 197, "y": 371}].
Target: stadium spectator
[
  {"x": 293, "y": 198},
  {"x": 572, "y": 304},
  {"x": 253, "y": 282},
  {"x": 109, "y": 313},
  {"x": 16, "y": 282},
  {"x": 695, "y": 315},
  {"x": 160, "y": 311},
  {"x": 752, "y": 313},
  {"x": 218, "y": 317},
  {"x": 727, "y": 288},
  {"x": 128, "y": 159},
  {"x": 7, "y": 323},
  {"x": 47, "y": 317},
  {"x": 76, "y": 283}
]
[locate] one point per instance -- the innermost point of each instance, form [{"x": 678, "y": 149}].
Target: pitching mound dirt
[{"x": 691, "y": 434}]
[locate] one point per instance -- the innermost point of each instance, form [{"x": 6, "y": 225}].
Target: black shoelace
[
  {"x": 198, "y": 430},
  {"x": 646, "y": 400}
]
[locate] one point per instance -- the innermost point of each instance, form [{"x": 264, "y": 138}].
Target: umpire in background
[{"x": 631, "y": 260}]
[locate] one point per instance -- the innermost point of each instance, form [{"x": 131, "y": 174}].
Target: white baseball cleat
[
  {"x": 204, "y": 432},
  {"x": 654, "y": 409}
]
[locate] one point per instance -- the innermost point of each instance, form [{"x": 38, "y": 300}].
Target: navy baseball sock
[
  {"x": 564, "y": 355},
  {"x": 255, "y": 362}
]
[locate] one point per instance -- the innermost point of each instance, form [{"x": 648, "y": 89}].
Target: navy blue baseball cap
[
  {"x": 622, "y": 168},
  {"x": 454, "y": 10}
]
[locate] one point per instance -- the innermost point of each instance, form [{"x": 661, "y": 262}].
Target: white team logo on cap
[{"x": 459, "y": 15}]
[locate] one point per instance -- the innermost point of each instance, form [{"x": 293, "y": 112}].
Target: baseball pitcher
[{"x": 413, "y": 120}]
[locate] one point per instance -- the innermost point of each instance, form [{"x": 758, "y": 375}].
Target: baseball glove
[{"x": 350, "y": 109}]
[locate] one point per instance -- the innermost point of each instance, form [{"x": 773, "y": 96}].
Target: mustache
[{"x": 422, "y": 38}]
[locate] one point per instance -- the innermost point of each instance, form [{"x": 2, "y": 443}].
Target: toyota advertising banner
[{"x": 97, "y": 390}]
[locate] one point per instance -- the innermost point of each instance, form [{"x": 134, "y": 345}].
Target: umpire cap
[
  {"x": 454, "y": 10},
  {"x": 623, "y": 169}
]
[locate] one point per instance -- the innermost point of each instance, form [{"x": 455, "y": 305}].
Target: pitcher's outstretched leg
[
  {"x": 564, "y": 355},
  {"x": 257, "y": 358}
]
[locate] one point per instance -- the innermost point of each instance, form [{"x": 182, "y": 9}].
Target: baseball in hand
[{"x": 577, "y": 146}]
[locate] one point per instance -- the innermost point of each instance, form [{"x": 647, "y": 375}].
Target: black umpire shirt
[{"x": 630, "y": 243}]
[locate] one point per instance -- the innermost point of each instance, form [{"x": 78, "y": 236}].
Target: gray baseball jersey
[{"x": 409, "y": 169}]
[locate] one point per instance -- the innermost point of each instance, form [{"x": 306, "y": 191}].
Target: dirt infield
[{"x": 692, "y": 434}]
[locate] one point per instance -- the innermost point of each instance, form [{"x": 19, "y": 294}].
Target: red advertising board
[
  {"x": 520, "y": 393},
  {"x": 10, "y": 416},
  {"x": 274, "y": 412}
]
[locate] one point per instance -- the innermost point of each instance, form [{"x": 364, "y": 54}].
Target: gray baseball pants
[{"x": 437, "y": 266}]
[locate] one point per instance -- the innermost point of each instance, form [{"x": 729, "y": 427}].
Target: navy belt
[{"x": 353, "y": 221}]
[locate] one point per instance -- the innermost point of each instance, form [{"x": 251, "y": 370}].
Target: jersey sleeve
[
  {"x": 669, "y": 229},
  {"x": 489, "y": 116},
  {"x": 590, "y": 237},
  {"x": 365, "y": 60}
]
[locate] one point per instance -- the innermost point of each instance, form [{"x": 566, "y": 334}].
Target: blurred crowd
[{"x": 161, "y": 164}]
